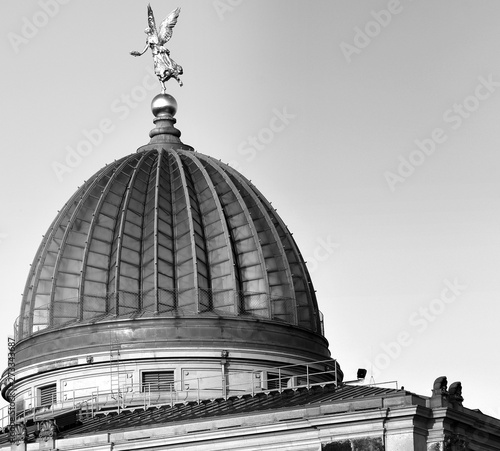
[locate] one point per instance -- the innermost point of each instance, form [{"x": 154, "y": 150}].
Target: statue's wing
[
  {"x": 151, "y": 19},
  {"x": 167, "y": 26}
]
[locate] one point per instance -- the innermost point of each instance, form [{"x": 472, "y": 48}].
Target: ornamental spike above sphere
[{"x": 164, "y": 66}]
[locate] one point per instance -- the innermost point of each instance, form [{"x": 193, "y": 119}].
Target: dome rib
[
  {"x": 200, "y": 252},
  {"x": 191, "y": 231},
  {"x": 62, "y": 255},
  {"x": 123, "y": 178},
  {"x": 217, "y": 302},
  {"x": 182, "y": 242},
  {"x": 147, "y": 202},
  {"x": 248, "y": 302},
  {"x": 102, "y": 309},
  {"x": 66, "y": 306},
  {"x": 148, "y": 169},
  {"x": 306, "y": 302},
  {"x": 161, "y": 156},
  {"x": 278, "y": 253},
  {"x": 40, "y": 302},
  {"x": 30, "y": 292},
  {"x": 169, "y": 215},
  {"x": 121, "y": 301}
]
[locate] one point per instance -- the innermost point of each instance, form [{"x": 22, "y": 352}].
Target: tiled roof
[
  {"x": 247, "y": 404},
  {"x": 114, "y": 421}
]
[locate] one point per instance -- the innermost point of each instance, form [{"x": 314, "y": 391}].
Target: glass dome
[{"x": 172, "y": 232}]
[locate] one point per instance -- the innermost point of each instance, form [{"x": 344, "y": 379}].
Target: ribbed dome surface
[{"x": 167, "y": 231}]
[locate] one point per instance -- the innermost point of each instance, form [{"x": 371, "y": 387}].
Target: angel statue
[{"x": 165, "y": 67}]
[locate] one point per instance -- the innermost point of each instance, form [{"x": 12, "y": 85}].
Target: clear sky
[{"x": 371, "y": 125}]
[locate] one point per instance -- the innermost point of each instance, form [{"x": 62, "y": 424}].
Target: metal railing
[{"x": 90, "y": 401}]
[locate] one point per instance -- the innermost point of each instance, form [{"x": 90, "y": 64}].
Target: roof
[
  {"x": 245, "y": 405},
  {"x": 74, "y": 423}
]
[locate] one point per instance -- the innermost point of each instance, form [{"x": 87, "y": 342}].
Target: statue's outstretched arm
[{"x": 135, "y": 53}]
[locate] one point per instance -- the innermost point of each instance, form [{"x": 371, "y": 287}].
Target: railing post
[
  {"x": 253, "y": 384},
  {"x": 307, "y": 376},
  {"x": 198, "y": 389},
  {"x": 279, "y": 379}
]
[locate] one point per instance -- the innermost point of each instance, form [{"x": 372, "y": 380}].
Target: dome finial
[{"x": 164, "y": 105}]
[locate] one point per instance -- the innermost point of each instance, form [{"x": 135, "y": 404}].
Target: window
[
  {"x": 47, "y": 395},
  {"x": 158, "y": 381}
]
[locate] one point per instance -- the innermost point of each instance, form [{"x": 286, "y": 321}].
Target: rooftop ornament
[{"x": 164, "y": 66}]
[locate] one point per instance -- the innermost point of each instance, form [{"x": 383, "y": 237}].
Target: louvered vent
[
  {"x": 158, "y": 381},
  {"x": 48, "y": 395}
]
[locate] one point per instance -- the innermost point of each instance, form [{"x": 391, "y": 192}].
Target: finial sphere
[{"x": 164, "y": 105}]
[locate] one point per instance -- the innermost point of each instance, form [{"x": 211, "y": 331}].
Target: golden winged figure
[{"x": 165, "y": 67}]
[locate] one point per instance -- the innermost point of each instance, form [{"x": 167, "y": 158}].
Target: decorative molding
[
  {"x": 18, "y": 434},
  {"x": 455, "y": 442},
  {"x": 47, "y": 430}
]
